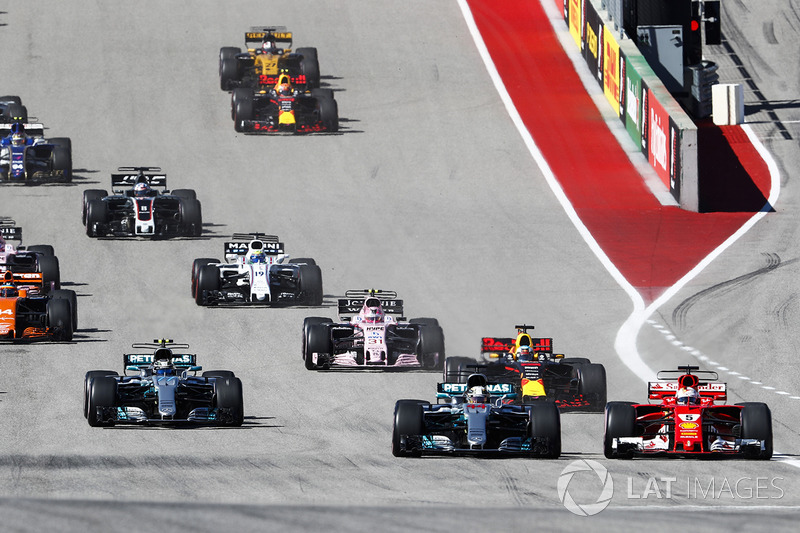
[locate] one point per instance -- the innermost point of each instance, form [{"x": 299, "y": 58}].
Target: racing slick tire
[
  {"x": 42, "y": 249},
  {"x": 309, "y": 279},
  {"x": 224, "y": 374},
  {"x": 8, "y": 99},
  {"x": 242, "y": 101},
  {"x": 229, "y": 51},
  {"x": 317, "y": 339},
  {"x": 102, "y": 393},
  {"x": 424, "y": 321},
  {"x": 196, "y": 266},
  {"x": 430, "y": 349},
  {"x": 88, "y": 196},
  {"x": 191, "y": 217},
  {"x": 454, "y": 369},
  {"x": 228, "y": 72},
  {"x": 51, "y": 273},
  {"x": 620, "y": 422},
  {"x": 757, "y": 424},
  {"x": 309, "y": 66},
  {"x": 59, "y": 315},
  {"x": 545, "y": 422},
  {"x": 236, "y": 95},
  {"x": 592, "y": 385},
  {"x": 61, "y": 157},
  {"x": 17, "y": 112},
  {"x": 188, "y": 194},
  {"x": 408, "y": 420},
  {"x": 328, "y": 113},
  {"x": 96, "y": 217},
  {"x": 311, "y": 321},
  {"x": 303, "y": 261},
  {"x": 228, "y": 393},
  {"x": 207, "y": 280},
  {"x": 87, "y": 379},
  {"x": 72, "y": 298},
  {"x": 575, "y": 361}
]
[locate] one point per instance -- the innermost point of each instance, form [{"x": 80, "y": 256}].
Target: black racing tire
[
  {"x": 310, "y": 283},
  {"x": 61, "y": 159},
  {"x": 328, "y": 113},
  {"x": 96, "y": 218},
  {"x": 188, "y": 194},
  {"x": 592, "y": 385},
  {"x": 17, "y": 113},
  {"x": 196, "y": 266},
  {"x": 575, "y": 361},
  {"x": 408, "y": 420},
  {"x": 191, "y": 217},
  {"x": 303, "y": 261},
  {"x": 102, "y": 393},
  {"x": 756, "y": 421},
  {"x": 88, "y": 196},
  {"x": 430, "y": 351},
  {"x": 229, "y": 51},
  {"x": 454, "y": 369},
  {"x": 72, "y": 298},
  {"x": 65, "y": 142},
  {"x": 424, "y": 321},
  {"x": 309, "y": 66},
  {"x": 228, "y": 394},
  {"x": 42, "y": 249},
  {"x": 51, "y": 272},
  {"x": 545, "y": 422},
  {"x": 620, "y": 421},
  {"x": 59, "y": 318},
  {"x": 207, "y": 280},
  {"x": 90, "y": 375},
  {"x": 228, "y": 72},
  {"x": 224, "y": 374},
  {"x": 8, "y": 99},
  {"x": 307, "y": 323},
  {"x": 318, "y": 339},
  {"x": 243, "y": 107}
]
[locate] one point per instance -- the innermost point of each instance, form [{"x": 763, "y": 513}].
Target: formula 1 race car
[
  {"x": 373, "y": 337},
  {"x": 284, "y": 108},
  {"x": 138, "y": 209},
  {"x": 573, "y": 383},
  {"x": 263, "y": 60},
  {"x": 684, "y": 419},
  {"x": 20, "y": 259},
  {"x": 164, "y": 390},
  {"x": 26, "y": 314},
  {"x": 476, "y": 420},
  {"x": 27, "y": 157},
  {"x": 256, "y": 271},
  {"x": 12, "y": 110}
]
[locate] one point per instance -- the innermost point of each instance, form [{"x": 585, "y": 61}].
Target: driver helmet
[
  {"x": 285, "y": 88},
  {"x": 8, "y": 291},
  {"x": 257, "y": 256},
  {"x": 477, "y": 394},
  {"x": 267, "y": 46},
  {"x": 162, "y": 364},
  {"x": 17, "y": 138},
  {"x": 687, "y": 396},
  {"x": 373, "y": 312},
  {"x": 141, "y": 189},
  {"x": 524, "y": 353}
]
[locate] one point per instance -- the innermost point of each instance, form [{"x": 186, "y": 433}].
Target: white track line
[{"x": 625, "y": 342}]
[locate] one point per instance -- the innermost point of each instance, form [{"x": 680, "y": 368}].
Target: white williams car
[{"x": 256, "y": 271}]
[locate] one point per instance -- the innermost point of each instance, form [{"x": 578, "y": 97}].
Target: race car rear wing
[
  {"x": 8, "y": 231},
  {"x": 259, "y": 34},
  {"x": 497, "y": 390},
  {"x": 354, "y": 300},
  {"x": 28, "y": 279},
  {"x": 139, "y": 360},
  {"x": 496, "y": 347},
  {"x": 242, "y": 243},
  {"x": 127, "y": 177},
  {"x": 658, "y": 390},
  {"x": 33, "y": 129}
]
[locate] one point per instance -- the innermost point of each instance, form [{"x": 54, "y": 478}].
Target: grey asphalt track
[{"x": 427, "y": 190}]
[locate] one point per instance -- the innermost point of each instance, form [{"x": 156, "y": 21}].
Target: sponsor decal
[
  {"x": 658, "y": 124},
  {"x": 611, "y": 70},
  {"x": 576, "y": 20}
]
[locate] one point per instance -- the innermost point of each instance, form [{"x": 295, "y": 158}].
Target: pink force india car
[
  {"x": 688, "y": 417},
  {"x": 372, "y": 333}
]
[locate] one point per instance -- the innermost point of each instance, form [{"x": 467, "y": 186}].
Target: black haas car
[{"x": 137, "y": 209}]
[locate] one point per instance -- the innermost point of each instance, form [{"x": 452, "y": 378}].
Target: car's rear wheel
[
  {"x": 188, "y": 194},
  {"x": 310, "y": 283},
  {"x": 620, "y": 422},
  {"x": 51, "y": 272},
  {"x": 309, "y": 66},
  {"x": 328, "y": 113},
  {"x": 455, "y": 371},
  {"x": 17, "y": 112},
  {"x": 228, "y": 72},
  {"x": 592, "y": 385},
  {"x": 303, "y": 261},
  {"x": 191, "y": 217},
  {"x": 42, "y": 249},
  {"x": 102, "y": 393},
  {"x": 431, "y": 347}
]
